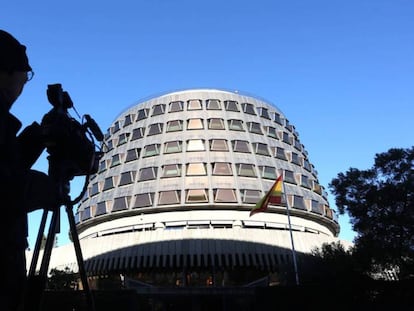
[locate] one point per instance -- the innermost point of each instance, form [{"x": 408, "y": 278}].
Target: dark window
[
  {"x": 299, "y": 202},
  {"x": 169, "y": 197},
  {"x": 142, "y": 114},
  {"x": 94, "y": 190},
  {"x": 305, "y": 182},
  {"x": 248, "y": 108},
  {"x": 278, "y": 119},
  {"x": 216, "y": 124},
  {"x": 116, "y": 127},
  {"x": 147, "y": 173},
  {"x": 296, "y": 159},
  {"x": 158, "y": 109},
  {"x": 127, "y": 178},
  {"x": 132, "y": 154},
  {"x": 231, "y": 105},
  {"x": 263, "y": 112},
  {"x": 121, "y": 203},
  {"x": 316, "y": 207},
  {"x": 144, "y": 200},
  {"x": 290, "y": 177},
  {"x": 176, "y": 106},
  {"x": 129, "y": 119},
  {"x": 254, "y": 127},
  {"x": 101, "y": 208},
  {"x": 116, "y": 160},
  {"x": 271, "y": 132},
  {"x": 102, "y": 166},
  {"x": 240, "y": 146},
  {"x": 267, "y": 172},
  {"x": 138, "y": 133},
  {"x": 108, "y": 184},
  {"x": 287, "y": 138},
  {"x": 155, "y": 129},
  {"x": 280, "y": 153},
  {"x": 151, "y": 150},
  {"x": 260, "y": 148},
  {"x": 86, "y": 213},
  {"x": 123, "y": 138}
]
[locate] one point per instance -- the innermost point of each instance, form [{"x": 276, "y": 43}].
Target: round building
[{"x": 181, "y": 172}]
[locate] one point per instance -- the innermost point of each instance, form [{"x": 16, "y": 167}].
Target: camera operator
[{"x": 22, "y": 190}]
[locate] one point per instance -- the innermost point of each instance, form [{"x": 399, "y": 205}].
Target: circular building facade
[{"x": 181, "y": 172}]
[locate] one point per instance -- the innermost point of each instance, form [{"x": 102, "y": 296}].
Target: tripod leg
[
  {"x": 79, "y": 257},
  {"x": 38, "y": 244}
]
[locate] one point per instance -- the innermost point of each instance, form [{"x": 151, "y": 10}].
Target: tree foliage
[{"x": 380, "y": 203}]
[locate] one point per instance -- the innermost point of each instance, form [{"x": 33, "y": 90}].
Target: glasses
[{"x": 30, "y": 75}]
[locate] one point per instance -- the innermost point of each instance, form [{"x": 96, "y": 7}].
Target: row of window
[
  {"x": 198, "y": 124},
  {"x": 197, "y": 104},
  {"x": 196, "y": 196},
  {"x": 196, "y": 145},
  {"x": 200, "y": 169}
]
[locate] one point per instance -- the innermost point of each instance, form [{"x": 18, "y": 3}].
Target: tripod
[{"x": 59, "y": 171}]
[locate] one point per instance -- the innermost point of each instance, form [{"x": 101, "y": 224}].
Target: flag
[{"x": 274, "y": 195}]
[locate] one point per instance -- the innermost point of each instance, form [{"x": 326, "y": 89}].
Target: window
[
  {"x": 138, "y": 133},
  {"x": 267, "y": 172},
  {"x": 221, "y": 168},
  {"x": 109, "y": 145},
  {"x": 250, "y": 196},
  {"x": 216, "y": 124},
  {"x": 169, "y": 197},
  {"x": 195, "y": 124},
  {"x": 254, "y": 127},
  {"x": 194, "y": 104},
  {"x": 317, "y": 187},
  {"x": 290, "y": 177},
  {"x": 123, "y": 138},
  {"x": 240, "y": 146},
  {"x": 151, "y": 150},
  {"x": 127, "y": 178},
  {"x": 298, "y": 202},
  {"x": 155, "y": 129},
  {"x": 263, "y": 112},
  {"x": 195, "y": 145},
  {"x": 235, "y": 125},
  {"x": 286, "y": 138},
  {"x": 147, "y": 173},
  {"x": 218, "y": 145},
  {"x": 142, "y": 114},
  {"x": 174, "y": 126},
  {"x": 86, "y": 213},
  {"x": 307, "y": 165},
  {"x": 116, "y": 160},
  {"x": 172, "y": 170},
  {"x": 213, "y": 104},
  {"x": 194, "y": 169},
  {"x": 271, "y": 132},
  {"x": 176, "y": 106},
  {"x": 173, "y": 146},
  {"x": 196, "y": 196},
  {"x": 231, "y": 105},
  {"x": 305, "y": 182},
  {"x": 316, "y": 207},
  {"x": 280, "y": 153},
  {"x": 116, "y": 127},
  {"x": 101, "y": 208},
  {"x": 225, "y": 196},
  {"x": 277, "y": 119},
  {"x": 248, "y": 108},
  {"x": 94, "y": 189},
  {"x": 144, "y": 200},
  {"x": 121, "y": 203},
  {"x": 260, "y": 148},
  {"x": 129, "y": 119},
  {"x": 244, "y": 169},
  {"x": 108, "y": 184},
  {"x": 132, "y": 154},
  {"x": 102, "y": 166},
  {"x": 158, "y": 109},
  {"x": 298, "y": 145},
  {"x": 296, "y": 159}
]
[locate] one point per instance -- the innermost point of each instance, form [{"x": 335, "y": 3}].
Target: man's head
[{"x": 14, "y": 67}]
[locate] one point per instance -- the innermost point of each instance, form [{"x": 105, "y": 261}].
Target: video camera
[{"x": 68, "y": 141}]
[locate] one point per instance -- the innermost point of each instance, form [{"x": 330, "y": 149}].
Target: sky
[{"x": 342, "y": 72}]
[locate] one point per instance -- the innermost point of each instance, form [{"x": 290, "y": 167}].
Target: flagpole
[{"x": 295, "y": 266}]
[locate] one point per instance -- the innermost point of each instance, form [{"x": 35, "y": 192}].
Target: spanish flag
[{"x": 273, "y": 196}]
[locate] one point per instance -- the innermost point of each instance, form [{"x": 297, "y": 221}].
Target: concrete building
[{"x": 171, "y": 201}]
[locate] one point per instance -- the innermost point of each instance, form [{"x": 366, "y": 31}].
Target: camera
[{"x": 67, "y": 141}]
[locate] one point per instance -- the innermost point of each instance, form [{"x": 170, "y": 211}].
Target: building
[{"x": 170, "y": 203}]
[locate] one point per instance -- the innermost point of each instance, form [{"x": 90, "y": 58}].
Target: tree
[{"x": 380, "y": 203}]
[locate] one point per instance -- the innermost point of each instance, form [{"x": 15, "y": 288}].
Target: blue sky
[{"x": 340, "y": 71}]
